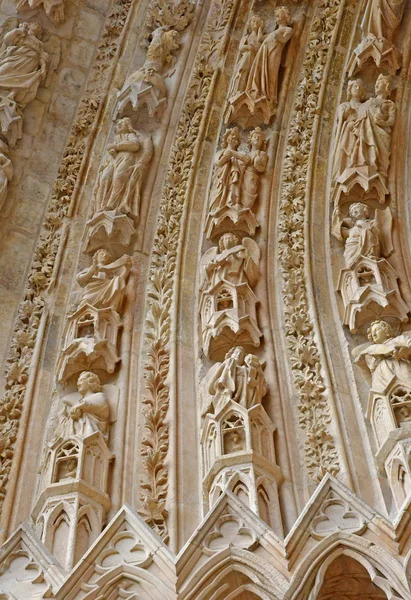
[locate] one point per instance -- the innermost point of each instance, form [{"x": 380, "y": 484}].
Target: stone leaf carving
[
  {"x": 368, "y": 284},
  {"x": 172, "y": 15},
  {"x": 335, "y": 514},
  {"x": 229, "y": 530},
  {"x": 121, "y": 177},
  {"x": 163, "y": 269},
  {"x": 89, "y": 413},
  {"x": 239, "y": 378},
  {"x": 363, "y": 140},
  {"x": 28, "y": 58},
  {"x": 320, "y": 452},
  {"x": 227, "y": 303},
  {"x": 54, "y": 9},
  {"x": 254, "y": 93},
  {"x": 147, "y": 85},
  {"x": 43, "y": 269},
  {"x": 380, "y": 22},
  {"x": 235, "y": 185},
  {"x": 386, "y": 358}
]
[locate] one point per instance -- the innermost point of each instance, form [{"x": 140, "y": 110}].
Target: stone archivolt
[{"x": 238, "y": 550}]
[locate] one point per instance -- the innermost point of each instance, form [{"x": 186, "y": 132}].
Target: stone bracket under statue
[
  {"x": 369, "y": 290},
  {"x": 110, "y": 229},
  {"x": 360, "y": 184},
  {"x": 373, "y": 51},
  {"x": 237, "y": 218},
  {"x": 142, "y": 94},
  {"x": 91, "y": 337},
  {"x": 229, "y": 318}
]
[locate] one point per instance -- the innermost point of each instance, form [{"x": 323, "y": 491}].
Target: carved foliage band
[
  {"x": 320, "y": 450},
  {"x": 162, "y": 270}
]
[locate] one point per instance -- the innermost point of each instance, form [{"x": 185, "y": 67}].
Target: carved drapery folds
[
  {"x": 254, "y": 93},
  {"x": 117, "y": 196},
  {"x": 235, "y": 186},
  {"x": 28, "y": 58},
  {"x": 380, "y": 22}
]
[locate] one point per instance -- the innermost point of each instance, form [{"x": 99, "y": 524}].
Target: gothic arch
[
  {"x": 230, "y": 573},
  {"x": 383, "y": 569}
]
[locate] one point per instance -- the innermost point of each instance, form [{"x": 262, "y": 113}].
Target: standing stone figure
[
  {"x": 382, "y": 18},
  {"x": 105, "y": 281},
  {"x": 89, "y": 414},
  {"x": 239, "y": 378},
  {"x": 364, "y": 130},
  {"x": 120, "y": 180},
  {"x": 249, "y": 46},
  {"x": 229, "y": 172},
  {"x": 255, "y": 102},
  {"x": 388, "y": 356},
  {"x": 257, "y": 165}
]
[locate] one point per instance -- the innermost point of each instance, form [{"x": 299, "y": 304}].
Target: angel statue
[
  {"x": 105, "y": 281},
  {"x": 235, "y": 262},
  {"x": 363, "y": 138},
  {"x": 147, "y": 85},
  {"x": 120, "y": 179},
  {"x": 26, "y": 62},
  {"x": 256, "y": 102},
  {"x": 366, "y": 236},
  {"x": 387, "y": 356},
  {"x": 239, "y": 378},
  {"x": 89, "y": 413}
]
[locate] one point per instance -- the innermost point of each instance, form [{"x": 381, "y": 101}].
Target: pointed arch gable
[
  {"x": 213, "y": 576},
  {"x": 383, "y": 569}
]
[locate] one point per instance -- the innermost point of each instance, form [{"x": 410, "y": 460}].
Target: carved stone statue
[
  {"x": 6, "y": 171},
  {"x": 235, "y": 186},
  {"x": 249, "y": 46},
  {"x": 54, "y": 9},
  {"x": 363, "y": 140},
  {"x": 365, "y": 236},
  {"x": 236, "y": 262},
  {"x": 256, "y": 101},
  {"x": 369, "y": 283},
  {"x": 147, "y": 86},
  {"x": 120, "y": 179},
  {"x": 229, "y": 172},
  {"x": 26, "y": 62},
  {"x": 105, "y": 281},
  {"x": 380, "y": 22},
  {"x": 240, "y": 378},
  {"x": 23, "y": 63},
  {"x": 387, "y": 357},
  {"x": 90, "y": 414},
  {"x": 228, "y": 304}
]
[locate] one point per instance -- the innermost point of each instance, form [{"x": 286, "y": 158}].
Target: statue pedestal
[
  {"x": 369, "y": 290},
  {"x": 237, "y": 219},
  {"x": 377, "y": 52},
  {"x": 109, "y": 229}
]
